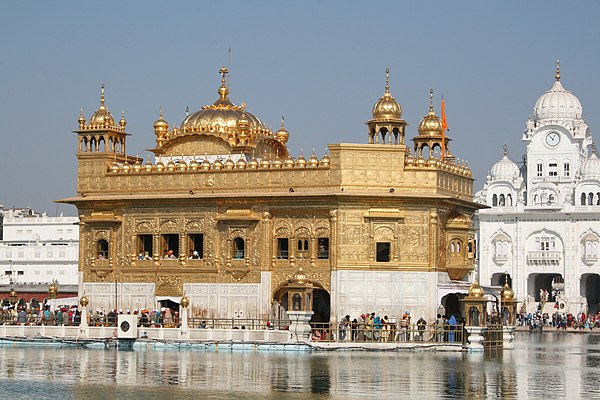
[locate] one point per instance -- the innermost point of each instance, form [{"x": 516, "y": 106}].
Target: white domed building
[{"x": 542, "y": 225}]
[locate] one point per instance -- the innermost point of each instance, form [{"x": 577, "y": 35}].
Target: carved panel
[{"x": 169, "y": 285}]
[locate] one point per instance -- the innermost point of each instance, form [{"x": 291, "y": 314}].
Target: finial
[
  {"x": 505, "y": 278},
  {"x": 282, "y": 122},
  {"x": 387, "y": 79},
  {"x": 223, "y": 71},
  {"x": 594, "y": 148},
  {"x": 505, "y": 149},
  {"x": 81, "y": 112},
  {"x": 102, "y": 94},
  {"x": 430, "y": 99},
  {"x": 558, "y": 70},
  {"x": 160, "y": 112},
  {"x": 187, "y": 111}
]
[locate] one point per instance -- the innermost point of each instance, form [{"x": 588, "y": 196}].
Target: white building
[
  {"x": 37, "y": 249},
  {"x": 543, "y": 226}
]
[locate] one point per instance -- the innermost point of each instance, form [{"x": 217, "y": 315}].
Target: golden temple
[{"x": 227, "y": 216}]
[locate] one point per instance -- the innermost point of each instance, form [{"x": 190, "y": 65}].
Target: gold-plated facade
[{"x": 224, "y": 202}]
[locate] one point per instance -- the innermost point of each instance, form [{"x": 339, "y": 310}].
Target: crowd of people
[
  {"x": 44, "y": 315},
  {"x": 558, "y": 320},
  {"x": 371, "y": 327}
]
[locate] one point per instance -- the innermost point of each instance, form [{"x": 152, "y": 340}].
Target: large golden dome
[
  {"x": 221, "y": 114},
  {"x": 431, "y": 124},
  {"x": 387, "y": 108}
]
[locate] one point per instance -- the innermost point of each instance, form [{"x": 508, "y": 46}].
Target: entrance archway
[
  {"x": 590, "y": 289},
  {"x": 552, "y": 283},
  {"x": 451, "y": 303},
  {"x": 498, "y": 279}
]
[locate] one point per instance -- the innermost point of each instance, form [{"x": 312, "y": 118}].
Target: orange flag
[{"x": 444, "y": 128}]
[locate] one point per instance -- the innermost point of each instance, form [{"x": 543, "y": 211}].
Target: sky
[{"x": 321, "y": 64}]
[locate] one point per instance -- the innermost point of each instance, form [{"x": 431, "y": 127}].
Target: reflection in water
[{"x": 565, "y": 365}]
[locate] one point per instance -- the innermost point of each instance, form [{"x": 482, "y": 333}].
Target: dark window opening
[
  {"x": 282, "y": 248},
  {"x": 102, "y": 249},
  {"x": 145, "y": 251},
  {"x": 323, "y": 249},
  {"x": 238, "y": 248},
  {"x": 196, "y": 246},
  {"x": 170, "y": 245},
  {"x": 383, "y": 252}
]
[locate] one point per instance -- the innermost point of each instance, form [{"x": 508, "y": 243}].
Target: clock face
[{"x": 552, "y": 138}]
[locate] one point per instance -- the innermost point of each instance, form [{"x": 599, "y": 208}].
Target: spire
[
  {"x": 558, "y": 70},
  {"x": 387, "y": 80},
  {"x": 102, "y": 95},
  {"x": 224, "y": 89},
  {"x": 282, "y": 122},
  {"x": 160, "y": 112},
  {"x": 431, "y": 100},
  {"x": 505, "y": 149}
]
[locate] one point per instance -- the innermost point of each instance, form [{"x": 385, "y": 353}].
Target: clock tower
[{"x": 558, "y": 142}]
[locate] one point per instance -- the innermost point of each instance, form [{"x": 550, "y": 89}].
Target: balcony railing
[{"x": 544, "y": 257}]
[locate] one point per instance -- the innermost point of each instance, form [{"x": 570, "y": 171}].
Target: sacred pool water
[{"x": 558, "y": 365}]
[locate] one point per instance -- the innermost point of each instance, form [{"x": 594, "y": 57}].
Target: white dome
[
  {"x": 591, "y": 167},
  {"x": 505, "y": 169},
  {"x": 557, "y": 104}
]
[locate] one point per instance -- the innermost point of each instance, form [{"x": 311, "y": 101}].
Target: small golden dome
[
  {"x": 123, "y": 122},
  {"x": 300, "y": 161},
  {"x": 229, "y": 164},
  {"x": 300, "y": 276},
  {"x": 282, "y": 134},
  {"x": 126, "y": 167},
  {"x": 265, "y": 163},
  {"x": 475, "y": 290},
  {"x": 81, "y": 119},
  {"x": 194, "y": 165},
  {"x": 218, "y": 165},
  {"x": 184, "y": 301},
  {"x": 161, "y": 127},
  {"x": 102, "y": 117},
  {"x": 159, "y": 166},
  {"x": 182, "y": 165},
  {"x": 241, "y": 164},
  {"x": 277, "y": 163},
  {"x": 289, "y": 162},
  {"x": 325, "y": 161},
  {"x": 83, "y": 301},
  {"x": 253, "y": 163},
  {"x": 148, "y": 165},
  {"x": 431, "y": 124},
  {"x": 205, "y": 164},
  {"x": 114, "y": 167},
  {"x": 507, "y": 293},
  {"x": 313, "y": 161},
  {"x": 137, "y": 166},
  {"x": 171, "y": 166},
  {"x": 387, "y": 108}
]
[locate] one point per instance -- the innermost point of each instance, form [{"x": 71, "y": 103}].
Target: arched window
[
  {"x": 509, "y": 200},
  {"x": 494, "y": 200},
  {"x": 591, "y": 199},
  {"x": 598, "y": 199},
  {"x": 502, "y": 201},
  {"x": 583, "y": 199},
  {"x": 102, "y": 249},
  {"x": 551, "y": 199},
  {"x": 238, "y": 248}
]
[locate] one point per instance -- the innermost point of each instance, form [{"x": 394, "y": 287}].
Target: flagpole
[{"x": 444, "y": 129}]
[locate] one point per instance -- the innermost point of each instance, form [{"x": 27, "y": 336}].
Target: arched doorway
[
  {"x": 552, "y": 283},
  {"x": 590, "y": 289},
  {"x": 321, "y": 306},
  {"x": 498, "y": 279},
  {"x": 451, "y": 303}
]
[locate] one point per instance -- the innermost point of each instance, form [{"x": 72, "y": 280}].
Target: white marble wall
[
  {"x": 130, "y": 296},
  {"x": 385, "y": 293},
  {"x": 224, "y": 300}
]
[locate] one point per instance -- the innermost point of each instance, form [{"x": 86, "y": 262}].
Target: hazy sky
[{"x": 321, "y": 64}]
